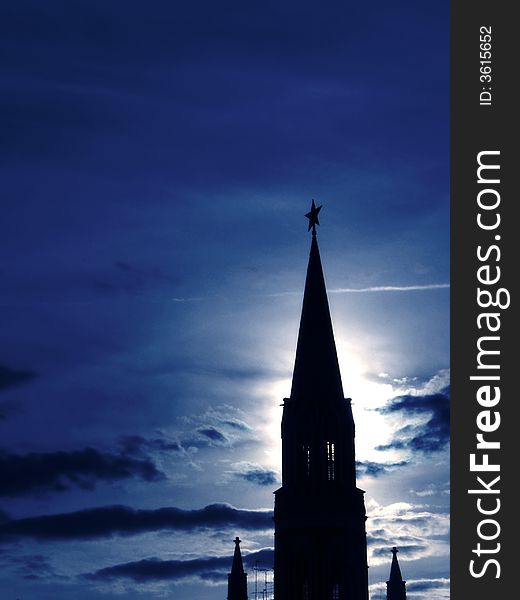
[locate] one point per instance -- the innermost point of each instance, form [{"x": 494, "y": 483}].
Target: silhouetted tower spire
[
  {"x": 320, "y": 539},
  {"x": 395, "y": 586},
  {"x": 316, "y": 369},
  {"x": 237, "y": 579}
]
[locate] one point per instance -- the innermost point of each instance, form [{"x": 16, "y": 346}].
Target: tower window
[
  {"x": 335, "y": 591},
  {"x": 306, "y": 593},
  {"x": 307, "y": 460},
  {"x": 330, "y": 461}
]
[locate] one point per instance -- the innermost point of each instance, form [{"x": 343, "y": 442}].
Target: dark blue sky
[{"x": 157, "y": 160}]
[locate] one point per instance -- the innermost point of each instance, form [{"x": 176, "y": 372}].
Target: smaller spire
[
  {"x": 395, "y": 586},
  {"x": 237, "y": 566},
  {"x": 237, "y": 579},
  {"x": 395, "y": 570}
]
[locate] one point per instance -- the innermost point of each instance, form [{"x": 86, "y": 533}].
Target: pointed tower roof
[
  {"x": 237, "y": 579},
  {"x": 237, "y": 567},
  {"x": 395, "y": 570},
  {"x": 395, "y": 586},
  {"x": 316, "y": 370}
]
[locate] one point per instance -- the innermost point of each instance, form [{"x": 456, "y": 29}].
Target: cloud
[
  {"x": 122, "y": 520},
  {"x": 377, "y": 288},
  {"x": 375, "y": 469},
  {"x": 389, "y": 539},
  {"x": 11, "y": 377},
  {"x": 254, "y": 473},
  {"x": 438, "y": 383},
  {"x": 138, "y": 445},
  {"x": 405, "y": 511},
  {"x": 401, "y": 383},
  {"x": 430, "y": 436},
  {"x": 415, "y": 530},
  {"x": 209, "y": 569},
  {"x": 153, "y": 569},
  {"x": 423, "y": 585},
  {"x": 213, "y": 434},
  {"x": 57, "y": 471},
  {"x": 33, "y": 567},
  {"x": 237, "y": 424},
  {"x": 403, "y": 533},
  {"x": 432, "y": 489},
  {"x": 221, "y": 426},
  {"x": 216, "y": 427},
  {"x": 391, "y": 288},
  {"x": 406, "y": 384}
]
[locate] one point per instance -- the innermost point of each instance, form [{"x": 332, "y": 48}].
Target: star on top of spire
[{"x": 312, "y": 215}]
